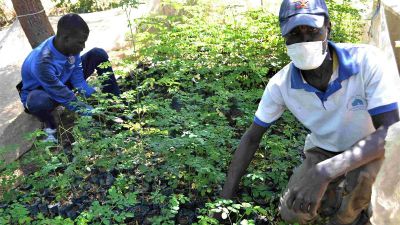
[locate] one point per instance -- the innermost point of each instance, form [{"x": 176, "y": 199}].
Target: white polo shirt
[{"x": 361, "y": 86}]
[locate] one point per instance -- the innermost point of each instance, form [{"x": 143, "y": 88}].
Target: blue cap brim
[{"x": 302, "y": 19}]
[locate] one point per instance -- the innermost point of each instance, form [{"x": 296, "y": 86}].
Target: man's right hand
[
  {"x": 248, "y": 146},
  {"x": 85, "y": 110},
  {"x": 80, "y": 107}
]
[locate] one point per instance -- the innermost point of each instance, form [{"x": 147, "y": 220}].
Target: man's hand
[
  {"x": 85, "y": 110},
  {"x": 306, "y": 194},
  {"x": 241, "y": 159},
  {"x": 80, "y": 107}
]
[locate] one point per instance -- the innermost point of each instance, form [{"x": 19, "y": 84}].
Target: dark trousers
[
  {"x": 343, "y": 205},
  {"x": 40, "y": 104}
]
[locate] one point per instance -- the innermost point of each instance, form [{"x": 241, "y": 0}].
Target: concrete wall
[
  {"x": 392, "y": 12},
  {"x": 383, "y": 31}
]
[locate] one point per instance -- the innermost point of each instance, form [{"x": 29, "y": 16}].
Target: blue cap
[{"x": 294, "y": 13}]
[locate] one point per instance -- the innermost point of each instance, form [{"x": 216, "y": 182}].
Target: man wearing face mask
[
  {"x": 346, "y": 96},
  {"x": 54, "y": 68}
]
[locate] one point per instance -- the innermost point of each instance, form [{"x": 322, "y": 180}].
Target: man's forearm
[
  {"x": 365, "y": 151},
  {"x": 238, "y": 166}
]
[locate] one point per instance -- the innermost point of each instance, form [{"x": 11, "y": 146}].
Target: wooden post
[{"x": 33, "y": 20}]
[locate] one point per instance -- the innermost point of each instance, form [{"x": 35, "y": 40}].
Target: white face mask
[{"x": 307, "y": 55}]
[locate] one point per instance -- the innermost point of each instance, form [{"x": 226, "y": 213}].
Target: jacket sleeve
[
  {"x": 78, "y": 81},
  {"x": 46, "y": 75}
]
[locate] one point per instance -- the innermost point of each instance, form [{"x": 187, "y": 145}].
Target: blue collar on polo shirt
[{"x": 347, "y": 68}]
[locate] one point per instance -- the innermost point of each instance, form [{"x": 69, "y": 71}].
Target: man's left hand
[{"x": 306, "y": 194}]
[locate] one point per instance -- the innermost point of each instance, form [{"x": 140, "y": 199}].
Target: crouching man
[
  {"x": 346, "y": 96},
  {"x": 55, "y": 67}
]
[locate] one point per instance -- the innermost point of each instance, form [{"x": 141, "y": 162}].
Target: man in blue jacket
[{"x": 55, "y": 67}]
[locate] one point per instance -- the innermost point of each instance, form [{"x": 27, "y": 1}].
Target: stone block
[
  {"x": 13, "y": 141},
  {"x": 386, "y": 189}
]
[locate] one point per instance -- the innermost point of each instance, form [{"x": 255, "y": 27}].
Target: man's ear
[{"x": 329, "y": 29}]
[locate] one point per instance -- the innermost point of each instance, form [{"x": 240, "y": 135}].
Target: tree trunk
[{"x": 33, "y": 20}]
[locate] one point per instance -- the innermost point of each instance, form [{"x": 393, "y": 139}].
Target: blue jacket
[{"x": 47, "y": 68}]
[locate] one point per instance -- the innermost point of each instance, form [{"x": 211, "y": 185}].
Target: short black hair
[{"x": 70, "y": 24}]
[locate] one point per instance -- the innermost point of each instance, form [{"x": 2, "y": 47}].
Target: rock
[
  {"x": 149, "y": 215},
  {"x": 65, "y": 210},
  {"x": 43, "y": 209},
  {"x": 176, "y": 104},
  {"x": 54, "y": 209},
  {"x": 109, "y": 179},
  {"x": 25, "y": 187},
  {"x": 13, "y": 140},
  {"x": 140, "y": 211},
  {"x": 81, "y": 199},
  {"x": 34, "y": 209},
  {"x": 93, "y": 179},
  {"x": 386, "y": 189},
  {"x": 186, "y": 216},
  {"x": 72, "y": 214}
]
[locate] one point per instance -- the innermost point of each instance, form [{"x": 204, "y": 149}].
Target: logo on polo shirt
[
  {"x": 301, "y": 4},
  {"x": 357, "y": 103}
]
